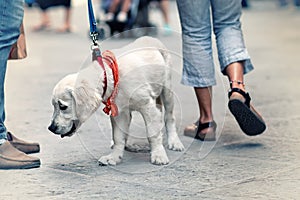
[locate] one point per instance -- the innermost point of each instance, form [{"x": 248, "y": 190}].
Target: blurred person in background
[
  {"x": 45, "y": 19},
  {"x": 284, "y": 3},
  {"x": 113, "y": 8},
  {"x": 245, "y": 4},
  {"x": 164, "y": 7}
]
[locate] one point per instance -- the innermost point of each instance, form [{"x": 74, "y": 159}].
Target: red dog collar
[{"x": 109, "y": 58}]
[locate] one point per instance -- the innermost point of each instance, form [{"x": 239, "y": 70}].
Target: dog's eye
[{"x": 61, "y": 106}]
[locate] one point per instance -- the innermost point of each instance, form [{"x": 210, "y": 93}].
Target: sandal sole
[{"x": 248, "y": 121}]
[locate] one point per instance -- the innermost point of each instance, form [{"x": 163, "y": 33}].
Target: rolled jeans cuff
[{"x": 242, "y": 56}]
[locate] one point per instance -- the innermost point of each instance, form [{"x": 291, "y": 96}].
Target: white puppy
[{"x": 145, "y": 76}]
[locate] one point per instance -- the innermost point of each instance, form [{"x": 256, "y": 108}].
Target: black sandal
[
  {"x": 195, "y": 131},
  {"x": 210, "y": 136},
  {"x": 248, "y": 119}
]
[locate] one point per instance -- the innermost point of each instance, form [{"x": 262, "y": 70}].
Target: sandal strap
[
  {"x": 205, "y": 125},
  {"x": 244, "y": 94}
]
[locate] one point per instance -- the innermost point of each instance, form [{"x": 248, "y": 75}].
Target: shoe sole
[
  {"x": 248, "y": 121},
  {"x": 28, "y": 166},
  {"x": 31, "y": 166}
]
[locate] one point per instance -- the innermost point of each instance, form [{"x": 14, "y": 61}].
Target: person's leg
[
  {"x": 68, "y": 18},
  {"x": 113, "y": 6},
  {"x": 229, "y": 36},
  {"x": 122, "y": 16},
  {"x": 164, "y": 7},
  {"x": 4, "y": 51},
  {"x": 235, "y": 62},
  {"x": 112, "y": 10},
  {"x": 204, "y": 97},
  {"x": 198, "y": 69},
  {"x": 11, "y": 14},
  {"x": 235, "y": 74},
  {"x": 45, "y": 22},
  {"x": 66, "y": 27},
  {"x": 198, "y": 65},
  {"x": 45, "y": 19},
  {"x": 68, "y": 12},
  {"x": 126, "y": 5},
  {"x": 233, "y": 55}
]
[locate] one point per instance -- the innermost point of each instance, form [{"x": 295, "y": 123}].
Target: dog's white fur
[{"x": 145, "y": 76}]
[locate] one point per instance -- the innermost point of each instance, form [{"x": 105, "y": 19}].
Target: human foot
[
  {"x": 64, "y": 29},
  {"x": 41, "y": 27},
  {"x": 21, "y": 145},
  {"x": 12, "y": 158},
  {"x": 249, "y": 120},
  {"x": 202, "y": 131}
]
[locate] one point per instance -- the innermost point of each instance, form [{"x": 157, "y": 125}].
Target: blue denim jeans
[
  {"x": 199, "y": 18},
  {"x": 11, "y": 15}
]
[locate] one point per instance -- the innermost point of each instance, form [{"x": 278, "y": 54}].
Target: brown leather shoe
[
  {"x": 21, "y": 145},
  {"x": 12, "y": 158}
]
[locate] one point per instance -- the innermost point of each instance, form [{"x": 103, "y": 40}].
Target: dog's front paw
[
  {"x": 159, "y": 156},
  {"x": 110, "y": 160},
  {"x": 175, "y": 144}
]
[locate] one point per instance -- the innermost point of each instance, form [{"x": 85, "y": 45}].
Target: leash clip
[{"x": 94, "y": 37}]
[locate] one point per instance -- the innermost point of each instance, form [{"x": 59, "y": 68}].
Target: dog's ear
[
  {"x": 70, "y": 91},
  {"x": 86, "y": 100}
]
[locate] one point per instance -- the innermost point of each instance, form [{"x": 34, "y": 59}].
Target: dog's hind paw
[
  {"x": 175, "y": 144},
  {"x": 109, "y": 160},
  {"x": 159, "y": 157}
]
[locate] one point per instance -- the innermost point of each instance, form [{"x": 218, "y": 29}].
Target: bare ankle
[
  {"x": 237, "y": 84},
  {"x": 206, "y": 119}
]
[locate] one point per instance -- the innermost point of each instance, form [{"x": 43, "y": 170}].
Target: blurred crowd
[
  {"x": 115, "y": 10},
  {"x": 119, "y": 11}
]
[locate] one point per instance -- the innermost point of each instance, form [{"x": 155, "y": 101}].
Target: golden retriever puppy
[{"x": 144, "y": 70}]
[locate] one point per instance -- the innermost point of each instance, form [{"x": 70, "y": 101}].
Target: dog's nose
[{"x": 52, "y": 128}]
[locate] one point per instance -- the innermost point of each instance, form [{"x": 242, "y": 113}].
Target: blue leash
[
  {"x": 96, "y": 53},
  {"x": 93, "y": 23}
]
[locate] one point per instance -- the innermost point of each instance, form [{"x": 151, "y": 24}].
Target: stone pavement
[{"x": 236, "y": 167}]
